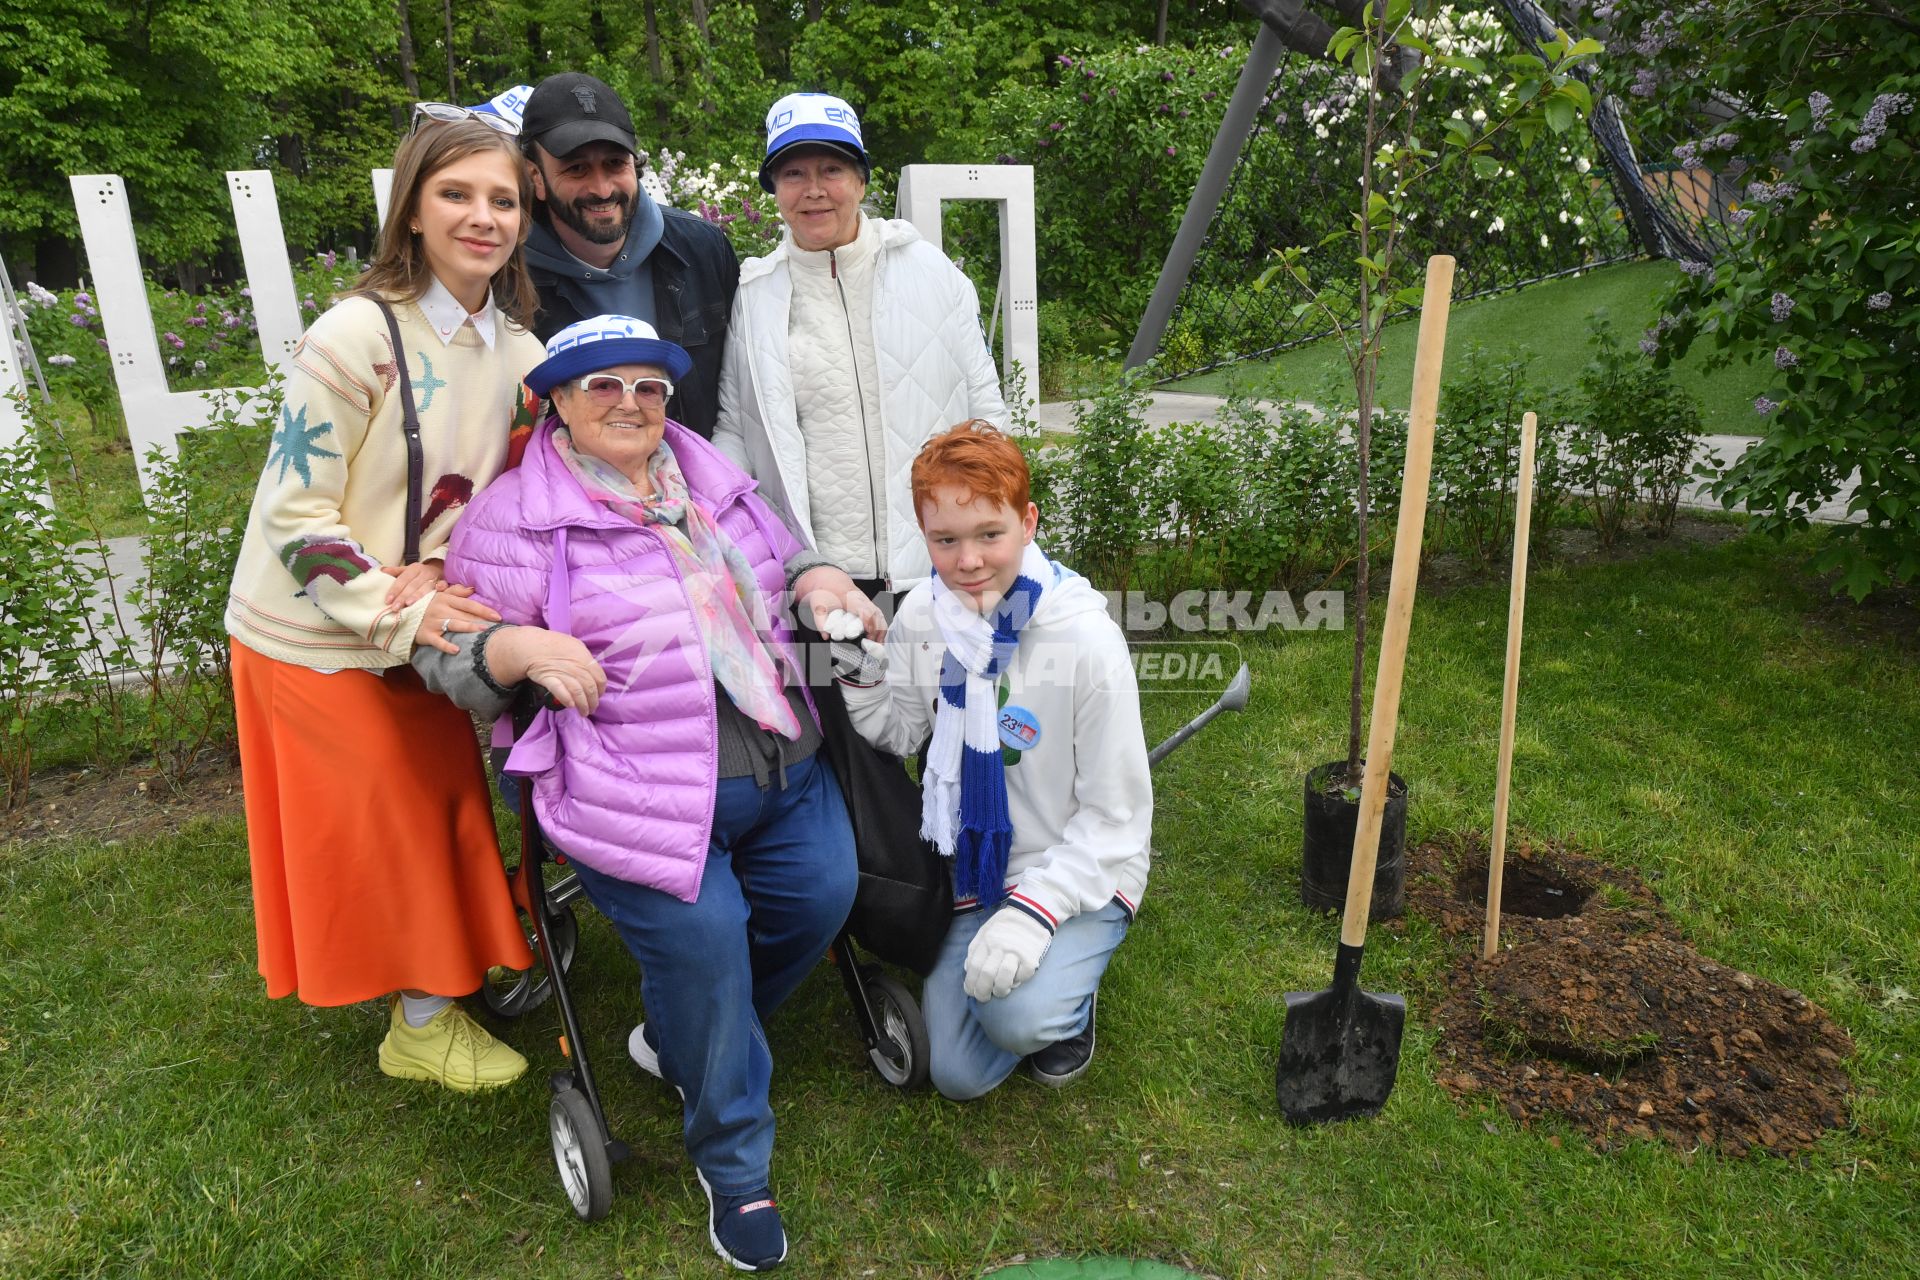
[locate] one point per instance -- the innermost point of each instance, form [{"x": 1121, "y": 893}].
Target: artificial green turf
[
  {"x": 1550, "y": 320},
  {"x": 1697, "y": 715}
]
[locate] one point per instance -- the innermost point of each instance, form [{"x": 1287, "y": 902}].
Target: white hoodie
[{"x": 1081, "y": 798}]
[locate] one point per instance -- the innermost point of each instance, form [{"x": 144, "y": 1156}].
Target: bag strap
[{"x": 410, "y": 423}]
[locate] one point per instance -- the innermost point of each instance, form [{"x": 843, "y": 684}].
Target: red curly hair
[{"x": 975, "y": 456}]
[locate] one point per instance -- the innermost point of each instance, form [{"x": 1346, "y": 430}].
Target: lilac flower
[
  {"x": 78, "y": 321},
  {"x": 1820, "y": 107},
  {"x": 1057, "y": 125},
  {"x": 1173, "y": 150},
  {"x": 1771, "y": 192},
  {"x": 1167, "y": 76},
  {"x": 1722, "y": 142},
  {"x": 1784, "y": 359},
  {"x": 309, "y": 305},
  {"x": 1065, "y": 61},
  {"x": 246, "y": 293},
  {"x": 82, "y": 300},
  {"x": 328, "y": 258},
  {"x": 1643, "y": 83},
  {"x": 41, "y": 297},
  {"x": 1046, "y": 142},
  {"x": 1088, "y": 73},
  {"x": 1649, "y": 346},
  {"x": 198, "y": 322},
  {"x": 1164, "y": 109},
  {"x": 1874, "y": 123},
  {"x": 1687, "y": 153},
  {"x": 1764, "y": 406},
  {"x": 1695, "y": 269},
  {"x": 1782, "y": 308},
  {"x": 177, "y": 341},
  {"x": 1086, "y": 97},
  {"x": 1739, "y": 217},
  {"x": 1880, "y": 301},
  {"x": 103, "y": 344}
]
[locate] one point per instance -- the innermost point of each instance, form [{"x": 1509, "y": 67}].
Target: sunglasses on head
[
  {"x": 449, "y": 113},
  {"x": 610, "y": 389}
]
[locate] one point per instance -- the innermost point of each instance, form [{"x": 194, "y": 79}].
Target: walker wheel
[
  {"x": 901, "y": 1055},
  {"x": 508, "y": 993},
  {"x": 580, "y": 1152}
]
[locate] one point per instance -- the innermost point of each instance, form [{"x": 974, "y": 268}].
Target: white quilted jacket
[{"x": 933, "y": 371}]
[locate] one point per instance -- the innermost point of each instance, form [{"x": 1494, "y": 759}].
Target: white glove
[
  {"x": 1005, "y": 953},
  {"x": 856, "y": 659}
]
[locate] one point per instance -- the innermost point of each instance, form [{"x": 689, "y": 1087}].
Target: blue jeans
[
  {"x": 974, "y": 1045},
  {"x": 779, "y": 881}
]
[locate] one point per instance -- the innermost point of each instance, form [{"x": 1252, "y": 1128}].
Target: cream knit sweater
[{"x": 330, "y": 506}]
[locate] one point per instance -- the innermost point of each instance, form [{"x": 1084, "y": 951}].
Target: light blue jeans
[
  {"x": 780, "y": 877},
  {"x": 974, "y": 1045}
]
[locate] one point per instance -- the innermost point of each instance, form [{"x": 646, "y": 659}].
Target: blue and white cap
[
  {"x": 817, "y": 118},
  {"x": 588, "y": 346},
  {"x": 509, "y": 106}
]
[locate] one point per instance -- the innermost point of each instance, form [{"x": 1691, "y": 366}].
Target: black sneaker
[
  {"x": 745, "y": 1230},
  {"x": 1064, "y": 1061}
]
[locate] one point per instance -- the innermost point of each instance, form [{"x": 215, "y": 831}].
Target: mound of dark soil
[{"x": 1605, "y": 1017}]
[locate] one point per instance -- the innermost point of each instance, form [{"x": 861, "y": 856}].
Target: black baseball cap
[{"x": 569, "y": 110}]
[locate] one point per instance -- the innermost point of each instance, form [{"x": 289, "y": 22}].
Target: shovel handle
[
  {"x": 1406, "y": 572},
  {"x": 1510, "y": 690}
]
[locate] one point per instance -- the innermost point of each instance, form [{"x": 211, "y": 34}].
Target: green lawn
[
  {"x": 1549, "y": 320},
  {"x": 1687, "y": 714}
]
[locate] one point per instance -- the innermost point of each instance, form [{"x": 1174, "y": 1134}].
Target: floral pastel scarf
[{"x": 728, "y": 608}]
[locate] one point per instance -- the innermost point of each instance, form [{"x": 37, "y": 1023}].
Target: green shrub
[{"x": 1631, "y": 449}]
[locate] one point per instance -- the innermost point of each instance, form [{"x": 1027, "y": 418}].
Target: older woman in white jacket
[{"x": 850, "y": 344}]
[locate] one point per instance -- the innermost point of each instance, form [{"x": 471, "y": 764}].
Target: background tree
[{"x": 1824, "y": 271}]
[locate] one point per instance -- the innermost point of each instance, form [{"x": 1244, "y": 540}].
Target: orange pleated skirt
[{"x": 370, "y": 831}]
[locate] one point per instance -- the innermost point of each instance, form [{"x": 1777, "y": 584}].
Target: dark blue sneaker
[
  {"x": 1064, "y": 1061},
  {"x": 745, "y": 1230}
]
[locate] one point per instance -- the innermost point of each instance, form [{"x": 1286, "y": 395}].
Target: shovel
[
  {"x": 1340, "y": 1048},
  {"x": 1510, "y": 689}
]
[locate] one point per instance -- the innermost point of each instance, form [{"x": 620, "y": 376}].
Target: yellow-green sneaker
[{"x": 452, "y": 1049}]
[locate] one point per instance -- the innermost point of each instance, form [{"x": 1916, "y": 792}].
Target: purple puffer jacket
[{"x": 629, "y": 791}]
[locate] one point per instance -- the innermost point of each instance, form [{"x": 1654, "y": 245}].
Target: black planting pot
[{"x": 1327, "y": 846}]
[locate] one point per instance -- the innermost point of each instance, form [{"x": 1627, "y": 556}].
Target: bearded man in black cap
[{"x": 600, "y": 245}]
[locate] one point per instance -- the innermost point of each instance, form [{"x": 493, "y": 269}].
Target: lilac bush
[{"x": 1824, "y": 269}]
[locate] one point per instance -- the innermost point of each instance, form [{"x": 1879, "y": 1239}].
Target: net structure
[{"x": 1558, "y": 207}]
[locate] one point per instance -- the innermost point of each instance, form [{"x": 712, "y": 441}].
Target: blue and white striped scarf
[{"x": 963, "y": 800}]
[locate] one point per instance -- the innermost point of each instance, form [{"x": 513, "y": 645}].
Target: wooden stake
[{"x": 1510, "y": 694}]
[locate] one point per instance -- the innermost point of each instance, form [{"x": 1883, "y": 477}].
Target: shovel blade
[{"x": 1339, "y": 1054}]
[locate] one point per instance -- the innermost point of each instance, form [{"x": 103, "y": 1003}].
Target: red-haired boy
[{"x": 1007, "y": 668}]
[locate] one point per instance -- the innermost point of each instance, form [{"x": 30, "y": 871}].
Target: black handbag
[{"x": 904, "y": 902}]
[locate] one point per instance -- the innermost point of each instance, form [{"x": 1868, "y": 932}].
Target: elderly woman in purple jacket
[{"x": 640, "y": 578}]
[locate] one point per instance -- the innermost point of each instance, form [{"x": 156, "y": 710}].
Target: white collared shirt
[{"x": 446, "y": 314}]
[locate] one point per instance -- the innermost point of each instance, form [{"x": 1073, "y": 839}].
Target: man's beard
[{"x": 596, "y": 233}]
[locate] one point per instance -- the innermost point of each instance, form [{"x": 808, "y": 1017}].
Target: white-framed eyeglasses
[
  {"x": 451, "y": 112},
  {"x": 611, "y": 389}
]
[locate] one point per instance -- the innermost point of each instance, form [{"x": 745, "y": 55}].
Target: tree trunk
[
  {"x": 813, "y": 10},
  {"x": 697, "y": 9},
  {"x": 654, "y": 69},
  {"x": 1366, "y": 373},
  {"x": 408, "y": 77},
  {"x": 446, "y": 8},
  {"x": 1160, "y": 24}
]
